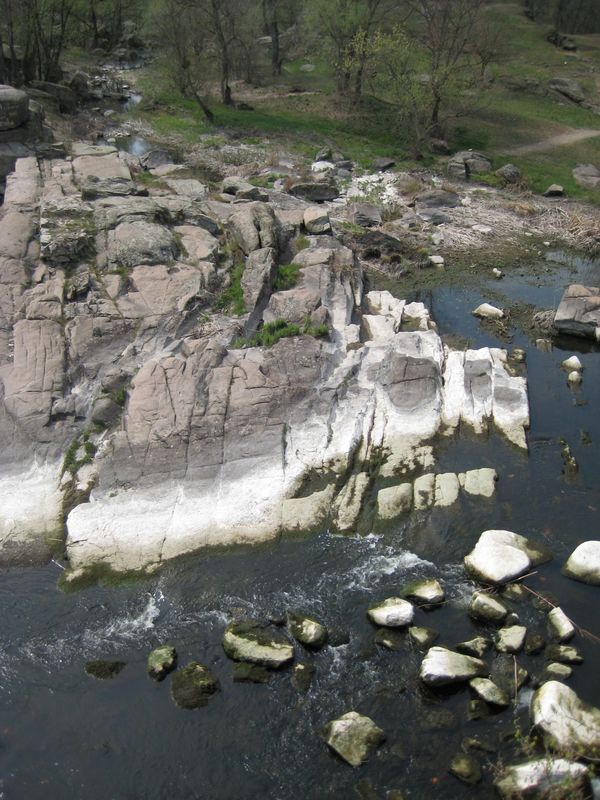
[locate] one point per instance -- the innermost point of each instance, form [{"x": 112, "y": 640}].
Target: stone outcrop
[
  {"x": 569, "y": 723},
  {"x": 584, "y": 563},
  {"x": 129, "y": 405},
  {"x": 578, "y": 313}
]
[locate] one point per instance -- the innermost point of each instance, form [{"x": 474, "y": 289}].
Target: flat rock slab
[
  {"x": 257, "y": 643},
  {"x": 578, "y": 313}
]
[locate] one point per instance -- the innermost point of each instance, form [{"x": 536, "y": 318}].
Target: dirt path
[{"x": 569, "y": 137}]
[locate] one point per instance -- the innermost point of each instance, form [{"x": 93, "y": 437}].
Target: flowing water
[{"x": 64, "y": 734}]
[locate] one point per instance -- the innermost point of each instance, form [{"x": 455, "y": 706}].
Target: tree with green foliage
[{"x": 348, "y": 27}]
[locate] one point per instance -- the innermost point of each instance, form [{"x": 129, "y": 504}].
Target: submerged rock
[
  {"x": 244, "y": 672},
  {"x": 161, "y": 661},
  {"x": 390, "y": 639},
  {"x": 570, "y": 724},
  {"x": 104, "y": 670},
  {"x": 392, "y": 613},
  {"x": 501, "y": 556},
  {"x": 193, "y": 686},
  {"x": 422, "y": 637},
  {"x": 353, "y": 737},
  {"x": 584, "y": 563},
  {"x": 302, "y": 676},
  {"x": 307, "y": 631},
  {"x": 543, "y": 777},
  {"x": 466, "y": 768},
  {"x": 257, "y": 643},
  {"x": 442, "y": 667}
]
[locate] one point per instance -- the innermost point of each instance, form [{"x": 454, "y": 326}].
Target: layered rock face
[{"x": 129, "y": 407}]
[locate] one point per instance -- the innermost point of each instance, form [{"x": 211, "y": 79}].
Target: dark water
[{"x": 63, "y": 734}]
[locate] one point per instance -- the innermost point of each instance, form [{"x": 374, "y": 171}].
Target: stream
[{"x": 64, "y": 734}]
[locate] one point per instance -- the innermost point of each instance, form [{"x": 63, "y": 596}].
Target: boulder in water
[
  {"x": 442, "y": 667},
  {"x": 161, "y": 661},
  {"x": 307, "y": 631},
  {"x": 392, "y": 613},
  {"x": 584, "y": 563},
  {"x": 568, "y": 722},
  {"x": 544, "y": 777},
  {"x": 353, "y": 737},
  {"x": 560, "y": 625},
  {"x": 466, "y": 768},
  {"x": 487, "y": 690},
  {"x": 485, "y": 608},
  {"x": 103, "y": 669},
  {"x": 193, "y": 686},
  {"x": 427, "y": 592},
  {"x": 501, "y": 556},
  {"x": 258, "y": 643}
]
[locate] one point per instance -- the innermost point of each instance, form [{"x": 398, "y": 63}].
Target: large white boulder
[
  {"x": 535, "y": 779},
  {"x": 584, "y": 563},
  {"x": 442, "y": 667},
  {"x": 392, "y": 613},
  {"x": 570, "y": 724},
  {"x": 501, "y": 556}
]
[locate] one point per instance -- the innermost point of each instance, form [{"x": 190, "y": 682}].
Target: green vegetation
[
  {"x": 287, "y": 277},
  {"x": 232, "y": 299},
  {"x": 272, "y": 332}
]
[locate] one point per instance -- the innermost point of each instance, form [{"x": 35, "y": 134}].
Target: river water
[{"x": 64, "y": 734}]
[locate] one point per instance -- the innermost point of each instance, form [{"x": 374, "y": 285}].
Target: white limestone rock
[
  {"x": 511, "y": 639},
  {"x": 394, "y": 500},
  {"x": 485, "y": 608},
  {"x": 424, "y": 491},
  {"x": 479, "y": 482},
  {"x": 560, "y": 625},
  {"x": 501, "y": 556},
  {"x": 572, "y": 363},
  {"x": 487, "y": 690},
  {"x": 446, "y": 489},
  {"x": 392, "y": 613},
  {"x": 427, "y": 592},
  {"x": 543, "y": 777},
  {"x": 584, "y": 563},
  {"x": 353, "y": 737},
  {"x": 488, "y": 311},
  {"x": 442, "y": 667},
  {"x": 571, "y": 724},
  {"x": 257, "y": 643}
]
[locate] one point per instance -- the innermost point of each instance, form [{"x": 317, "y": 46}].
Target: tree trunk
[
  {"x": 210, "y": 117},
  {"x": 224, "y": 50},
  {"x": 272, "y": 28}
]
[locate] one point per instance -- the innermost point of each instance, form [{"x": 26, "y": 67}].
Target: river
[{"x": 64, "y": 734}]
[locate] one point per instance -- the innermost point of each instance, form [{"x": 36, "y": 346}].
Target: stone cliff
[{"x": 149, "y": 424}]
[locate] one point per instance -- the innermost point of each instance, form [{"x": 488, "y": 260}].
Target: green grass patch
[
  {"x": 287, "y": 277},
  {"x": 232, "y": 299},
  {"x": 272, "y": 332}
]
